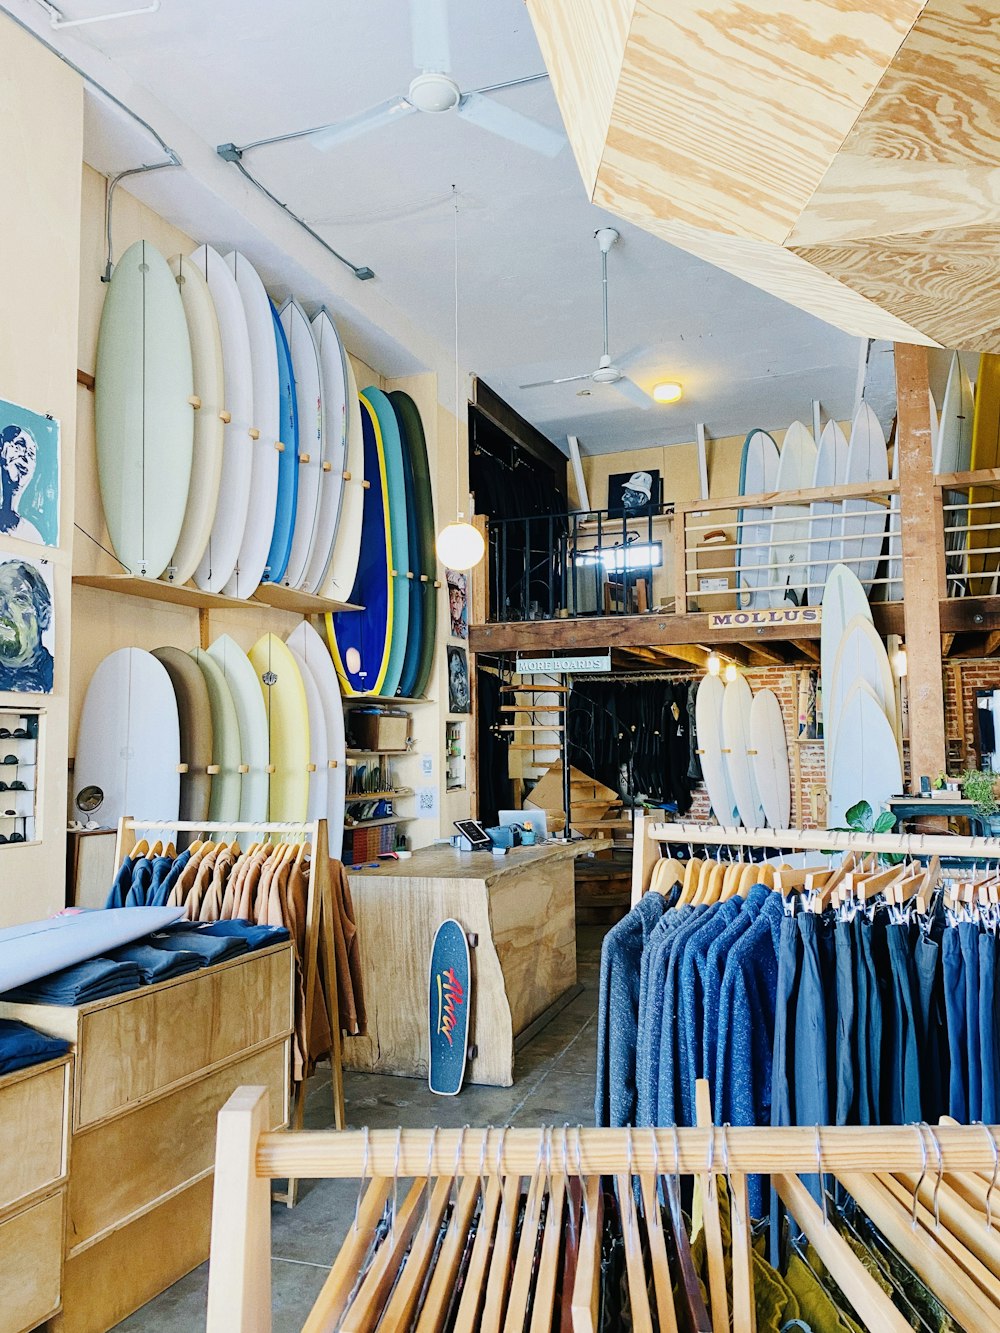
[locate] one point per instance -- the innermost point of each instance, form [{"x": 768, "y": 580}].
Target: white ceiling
[{"x": 530, "y": 296}]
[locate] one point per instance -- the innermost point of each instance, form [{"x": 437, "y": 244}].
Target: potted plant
[{"x": 980, "y": 788}]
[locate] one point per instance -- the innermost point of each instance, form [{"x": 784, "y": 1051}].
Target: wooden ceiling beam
[
  {"x": 766, "y": 655},
  {"x": 807, "y": 647}
]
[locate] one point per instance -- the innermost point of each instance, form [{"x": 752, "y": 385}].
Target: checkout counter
[{"x": 519, "y": 911}]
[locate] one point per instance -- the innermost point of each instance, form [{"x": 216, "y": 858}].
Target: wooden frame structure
[
  {"x": 319, "y": 933},
  {"x": 649, "y": 833},
  {"x": 495, "y": 1161}
]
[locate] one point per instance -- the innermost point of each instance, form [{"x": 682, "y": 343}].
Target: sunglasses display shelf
[{"x": 18, "y": 776}]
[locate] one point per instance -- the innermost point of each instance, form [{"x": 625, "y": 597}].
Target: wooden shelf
[
  {"x": 158, "y": 590},
  {"x": 373, "y": 754},
  {"x": 353, "y": 798},
  {"x": 300, "y": 603},
  {"x": 374, "y": 824},
  {"x": 387, "y": 699}
]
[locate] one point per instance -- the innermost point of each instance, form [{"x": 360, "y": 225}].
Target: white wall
[{"x": 41, "y": 143}]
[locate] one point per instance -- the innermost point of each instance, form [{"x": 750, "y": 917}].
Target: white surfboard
[
  {"x": 347, "y": 546},
  {"x": 736, "y": 747},
  {"x": 708, "y": 720},
  {"x": 223, "y": 548},
  {"x": 128, "y": 743},
  {"x": 861, "y": 656},
  {"x": 843, "y": 599},
  {"x": 252, "y": 718},
  {"x": 144, "y": 417},
  {"x": 864, "y": 520},
  {"x": 227, "y": 749},
  {"x": 758, "y": 476},
  {"x": 769, "y": 758},
  {"x": 37, "y": 948},
  {"x": 319, "y": 746},
  {"x": 209, "y": 389},
  {"x": 333, "y": 373},
  {"x": 954, "y": 454},
  {"x": 790, "y": 523},
  {"x": 865, "y": 763},
  {"x": 309, "y": 648},
  {"x": 825, "y": 515},
  {"x": 262, "y": 454},
  {"x": 309, "y": 398}
]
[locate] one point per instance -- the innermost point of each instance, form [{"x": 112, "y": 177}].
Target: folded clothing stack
[
  {"x": 97, "y": 979},
  {"x": 158, "y": 964},
  {"x": 21, "y": 1045},
  {"x": 216, "y": 941}
]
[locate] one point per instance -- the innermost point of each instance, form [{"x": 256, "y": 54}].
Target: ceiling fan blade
[
  {"x": 500, "y": 119},
  {"x": 544, "y": 384},
  {"x": 429, "y": 35},
  {"x": 332, "y": 135},
  {"x": 630, "y": 390}
]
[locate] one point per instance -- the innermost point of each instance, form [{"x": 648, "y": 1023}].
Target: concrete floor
[{"x": 553, "y": 1084}]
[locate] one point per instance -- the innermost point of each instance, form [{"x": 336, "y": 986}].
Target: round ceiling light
[
  {"x": 667, "y": 392},
  {"x": 460, "y": 545}
]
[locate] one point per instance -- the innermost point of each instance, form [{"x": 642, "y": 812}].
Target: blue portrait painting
[
  {"x": 27, "y": 625},
  {"x": 29, "y": 475}
]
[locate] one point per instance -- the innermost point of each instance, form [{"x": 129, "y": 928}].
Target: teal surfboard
[
  {"x": 392, "y": 446},
  {"x": 288, "y": 462},
  {"x": 420, "y": 661}
]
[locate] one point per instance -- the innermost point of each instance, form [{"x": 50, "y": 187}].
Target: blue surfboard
[
  {"x": 360, "y": 641},
  {"x": 415, "y": 634},
  {"x": 416, "y": 448},
  {"x": 448, "y": 1002},
  {"x": 392, "y": 446},
  {"x": 288, "y": 461}
]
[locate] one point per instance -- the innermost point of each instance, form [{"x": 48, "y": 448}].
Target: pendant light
[{"x": 459, "y": 545}]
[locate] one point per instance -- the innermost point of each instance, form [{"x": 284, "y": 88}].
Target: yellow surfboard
[
  {"x": 287, "y": 726},
  {"x": 985, "y": 453}
]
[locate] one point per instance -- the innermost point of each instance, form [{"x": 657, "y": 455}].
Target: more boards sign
[
  {"x": 782, "y": 615},
  {"x": 529, "y": 666}
]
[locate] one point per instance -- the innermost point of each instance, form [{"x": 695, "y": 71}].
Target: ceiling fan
[
  {"x": 434, "y": 91},
  {"x": 607, "y": 372}
]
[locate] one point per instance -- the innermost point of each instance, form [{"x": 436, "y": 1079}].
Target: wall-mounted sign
[
  {"x": 530, "y": 666},
  {"x": 781, "y": 615}
]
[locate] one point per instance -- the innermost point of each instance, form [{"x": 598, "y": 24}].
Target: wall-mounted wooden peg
[
  {"x": 305, "y": 458},
  {"x": 243, "y": 768},
  {"x": 327, "y": 466},
  {"x": 212, "y": 769},
  {"x": 225, "y": 417},
  {"x": 279, "y": 446},
  {"x": 366, "y": 485},
  {"x": 182, "y": 768},
  {"x": 195, "y": 401},
  {"x": 347, "y": 476},
  {"x": 254, "y": 433},
  {"x": 272, "y": 768},
  {"x": 310, "y": 768}
]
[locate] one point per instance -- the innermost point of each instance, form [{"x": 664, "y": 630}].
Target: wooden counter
[{"x": 521, "y": 907}]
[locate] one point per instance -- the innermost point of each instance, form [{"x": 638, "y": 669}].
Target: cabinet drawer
[
  {"x": 31, "y": 1264},
  {"x": 125, "y": 1165},
  {"x": 33, "y": 1125},
  {"x": 150, "y": 1040}
]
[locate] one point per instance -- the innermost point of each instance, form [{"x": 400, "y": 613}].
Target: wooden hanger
[
  {"x": 749, "y": 876},
  {"x": 741, "y": 1244},
  {"x": 170, "y": 851},
  {"x": 543, "y": 1309},
  {"x": 475, "y": 1280},
  {"x": 865, "y": 887},
  {"x": 950, "y": 1283},
  {"x": 195, "y": 847},
  {"x": 499, "y": 1275},
  {"x": 713, "y": 885},
  {"x": 698, "y": 1320},
  {"x": 587, "y": 1288},
  {"x": 666, "y": 873},
  {"x": 156, "y": 849},
  {"x": 704, "y": 876},
  {"x": 337, "y": 1288},
  {"x": 765, "y": 875},
  {"x": 366, "y": 1308},
  {"x": 635, "y": 1267},
  {"x": 874, "y": 1308},
  {"x": 140, "y": 849},
  {"x": 711, "y": 1219},
  {"x": 406, "y": 1293},
  {"x": 442, "y": 1283},
  {"x": 692, "y": 874},
  {"x": 731, "y": 882},
  {"x": 666, "y": 1311},
  {"x": 524, "y": 1262},
  {"x": 788, "y": 881},
  {"x": 822, "y": 885},
  {"x": 965, "y": 1220}
]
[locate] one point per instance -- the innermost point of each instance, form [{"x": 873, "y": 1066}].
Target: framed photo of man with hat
[{"x": 634, "y": 494}]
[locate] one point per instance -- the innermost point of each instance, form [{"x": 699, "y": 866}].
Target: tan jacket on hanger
[
  {"x": 185, "y": 881},
  {"x": 350, "y": 985},
  {"x": 211, "y": 904},
  {"x": 243, "y": 906},
  {"x": 316, "y": 1033},
  {"x": 202, "y": 882}
]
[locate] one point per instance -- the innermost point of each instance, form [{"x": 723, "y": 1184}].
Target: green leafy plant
[
  {"x": 978, "y": 788},
  {"x": 861, "y": 818}
]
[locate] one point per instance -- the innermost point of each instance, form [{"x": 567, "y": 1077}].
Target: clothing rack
[
  {"x": 319, "y": 934},
  {"x": 649, "y": 833},
  {"x": 489, "y": 1164}
]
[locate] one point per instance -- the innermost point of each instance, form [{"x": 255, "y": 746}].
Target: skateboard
[{"x": 449, "y": 997}]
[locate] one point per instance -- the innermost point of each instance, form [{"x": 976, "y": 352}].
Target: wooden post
[
  {"x": 924, "y": 574},
  {"x": 239, "y": 1275},
  {"x": 645, "y": 854},
  {"x": 480, "y": 577},
  {"x": 680, "y": 559}
]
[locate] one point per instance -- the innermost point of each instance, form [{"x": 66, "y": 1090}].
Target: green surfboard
[{"x": 416, "y": 443}]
